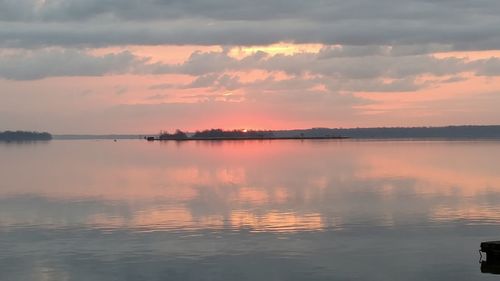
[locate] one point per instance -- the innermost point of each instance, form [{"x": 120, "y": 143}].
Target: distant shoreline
[
  {"x": 466, "y": 132},
  {"x": 266, "y": 138},
  {"x": 449, "y": 132},
  {"x": 24, "y": 136}
]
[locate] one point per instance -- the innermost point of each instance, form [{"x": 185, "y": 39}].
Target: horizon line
[{"x": 296, "y": 129}]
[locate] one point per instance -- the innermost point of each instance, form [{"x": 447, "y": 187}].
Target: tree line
[
  {"x": 24, "y": 136},
  {"x": 217, "y": 134}
]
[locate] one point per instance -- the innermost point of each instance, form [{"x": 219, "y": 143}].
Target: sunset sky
[{"x": 141, "y": 66}]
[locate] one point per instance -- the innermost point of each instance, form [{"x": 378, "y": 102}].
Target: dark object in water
[
  {"x": 150, "y": 138},
  {"x": 492, "y": 249},
  {"x": 492, "y": 262},
  {"x": 490, "y": 267}
]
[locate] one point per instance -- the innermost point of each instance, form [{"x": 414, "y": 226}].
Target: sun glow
[{"x": 274, "y": 49}]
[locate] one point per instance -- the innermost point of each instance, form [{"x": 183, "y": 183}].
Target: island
[
  {"x": 20, "y": 136},
  {"x": 462, "y": 132},
  {"x": 220, "y": 134}
]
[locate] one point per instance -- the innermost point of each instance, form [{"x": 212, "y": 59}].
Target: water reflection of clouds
[
  {"x": 283, "y": 210},
  {"x": 230, "y": 207},
  {"x": 440, "y": 167},
  {"x": 312, "y": 186}
]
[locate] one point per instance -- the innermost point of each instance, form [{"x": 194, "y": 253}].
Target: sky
[{"x": 141, "y": 66}]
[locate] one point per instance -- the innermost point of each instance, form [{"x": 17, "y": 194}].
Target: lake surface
[{"x": 247, "y": 210}]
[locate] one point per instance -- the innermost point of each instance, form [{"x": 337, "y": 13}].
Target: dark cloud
[
  {"x": 460, "y": 24},
  {"x": 30, "y": 65},
  {"x": 256, "y": 10},
  {"x": 203, "y": 32}
]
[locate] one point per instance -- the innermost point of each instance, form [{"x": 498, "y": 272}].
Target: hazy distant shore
[
  {"x": 18, "y": 136},
  {"x": 392, "y": 133}
]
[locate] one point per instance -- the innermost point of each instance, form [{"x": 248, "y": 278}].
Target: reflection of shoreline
[{"x": 23, "y": 142}]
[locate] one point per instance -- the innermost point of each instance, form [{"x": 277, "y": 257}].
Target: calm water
[{"x": 252, "y": 210}]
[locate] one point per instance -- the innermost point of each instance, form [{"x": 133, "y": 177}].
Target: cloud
[
  {"x": 215, "y": 81},
  {"x": 203, "y": 32},
  {"x": 364, "y": 66},
  {"x": 333, "y": 68},
  {"x": 346, "y": 62},
  {"x": 257, "y": 10},
  {"x": 162, "y": 86},
  {"x": 37, "y": 64},
  {"x": 462, "y": 25},
  {"x": 488, "y": 67}
]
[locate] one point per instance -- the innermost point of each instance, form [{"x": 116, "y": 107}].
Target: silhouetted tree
[
  {"x": 233, "y": 134},
  {"x": 24, "y": 136},
  {"x": 178, "y": 135}
]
